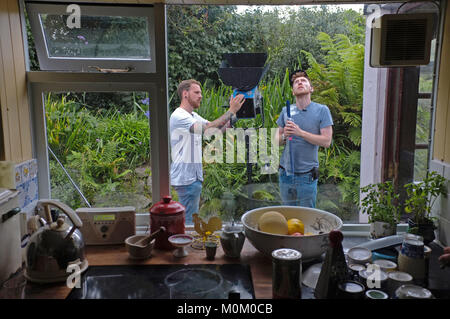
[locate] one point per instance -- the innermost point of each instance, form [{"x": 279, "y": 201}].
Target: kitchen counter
[{"x": 261, "y": 268}]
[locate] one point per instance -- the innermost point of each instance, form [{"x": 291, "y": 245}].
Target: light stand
[{"x": 243, "y": 72}]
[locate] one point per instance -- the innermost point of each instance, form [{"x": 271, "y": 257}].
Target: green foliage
[
  {"x": 339, "y": 84},
  {"x": 100, "y": 149},
  {"x": 422, "y": 195},
  {"x": 66, "y": 126},
  {"x": 381, "y": 203},
  {"x": 199, "y": 35}
]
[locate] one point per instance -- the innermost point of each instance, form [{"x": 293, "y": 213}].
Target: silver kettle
[{"x": 56, "y": 249}]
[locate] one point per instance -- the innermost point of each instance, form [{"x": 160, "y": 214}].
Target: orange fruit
[{"x": 295, "y": 226}]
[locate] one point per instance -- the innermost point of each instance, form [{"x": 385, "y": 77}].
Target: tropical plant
[
  {"x": 422, "y": 195},
  {"x": 381, "y": 203},
  {"x": 339, "y": 84},
  {"x": 100, "y": 149}
]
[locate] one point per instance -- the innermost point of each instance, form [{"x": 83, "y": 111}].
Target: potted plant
[
  {"x": 380, "y": 203},
  {"x": 420, "y": 199}
]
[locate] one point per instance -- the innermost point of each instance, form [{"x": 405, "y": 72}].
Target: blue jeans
[
  {"x": 298, "y": 189},
  {"x": 189, "y": 197}
]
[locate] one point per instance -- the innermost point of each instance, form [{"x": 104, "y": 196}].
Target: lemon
[
  {"x": 273, "y": 222},
  {"x": 295, "y": 226}
]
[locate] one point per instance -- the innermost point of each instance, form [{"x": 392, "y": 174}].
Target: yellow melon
[{"x": 273, "y": 222}]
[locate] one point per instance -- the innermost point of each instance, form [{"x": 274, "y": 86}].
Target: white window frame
[
  {"x": 155, "y": 84},
  {"x": 83, "y": 64}
]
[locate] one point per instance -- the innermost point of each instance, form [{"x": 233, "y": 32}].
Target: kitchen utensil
[
  {"x": 317, "y": 222},
  {"x": 384, "y": 242},
  {"x": 412, "y": 246},
  {"x": 413, "y": 292},
  {"x": 291, "y": 152},
  {"x": 146, "y": 240},
  {"x": 350, "y": 290},
  {"x": 180, "y": 241},
  {"x": 354, "y": 270},
  {"x": 138, "y": 251},
  {"x": 359, "y": 255},
  {"x": 396, "y": 279},
  {"x": 386, "y": 265},
  {"x": 56, "y": 248},
  {"x": 373, "y": 277},
  {"x": 286, "y": 274},
  {"x": 232, "y": 240},
  {"x": 311, "y": 275},
  {"x": 171, "y": 215},
  {"x": 414, "y": 266},
  {"x": 334, "y": 269}
]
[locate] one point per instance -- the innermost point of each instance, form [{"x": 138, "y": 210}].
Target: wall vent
[{"x": 400, "y": 40}]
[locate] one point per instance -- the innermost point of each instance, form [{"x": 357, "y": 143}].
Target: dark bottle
[{"x": 334, "y": 269}]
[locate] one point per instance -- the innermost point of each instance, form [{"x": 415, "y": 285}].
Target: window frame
[
  {"x": 155, "y": 83},
  {"x": 80, "y": 64}
]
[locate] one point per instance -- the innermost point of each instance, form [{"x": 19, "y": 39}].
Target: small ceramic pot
[
  {"x": 138, "y": 251},
  {"x": 382, "y": 229}
]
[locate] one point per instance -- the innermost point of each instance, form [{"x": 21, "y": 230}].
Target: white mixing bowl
[{"x": 316, "y": 221}]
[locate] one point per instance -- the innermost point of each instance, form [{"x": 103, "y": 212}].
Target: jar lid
[
  {"x": 400, "y": 276},
  {"x": 351, "y": 287},
  {"x": 385, "y": 264},
  {"x": 286, "y": 254},
  {"x": 373, "y": 272},
  {"x": 167, "y": 207},
  {"x": 413, "y": 292},
  {"x": 359, "y": 254},
  {"x": 356, "y": 267},
  {"x": 376, "y": 294}
]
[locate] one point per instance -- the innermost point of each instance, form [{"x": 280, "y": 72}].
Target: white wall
[{"x": 373, "y": 119}]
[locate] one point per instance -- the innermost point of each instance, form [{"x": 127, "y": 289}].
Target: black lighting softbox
[{"x": 243, "y": 72}]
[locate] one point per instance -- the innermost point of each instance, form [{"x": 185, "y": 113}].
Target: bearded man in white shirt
[{"x": 186, "y": 129}]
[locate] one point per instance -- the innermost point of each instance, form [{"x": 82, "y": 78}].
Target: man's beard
[{"x": 193, "y": 103}]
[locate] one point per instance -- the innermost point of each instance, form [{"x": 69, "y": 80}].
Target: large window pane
[
  {"x": 423, "y": 121},
  {"x": 420, "y": 164},
  {"x": 98, "y": 37},
  {"x": 102, "y": 141},
  {"x": 90, "y": 38}
]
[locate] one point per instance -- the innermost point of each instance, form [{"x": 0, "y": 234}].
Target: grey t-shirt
[{"x": 315, "y": 117}]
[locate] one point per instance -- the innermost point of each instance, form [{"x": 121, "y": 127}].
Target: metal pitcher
[{"x": 232, "y": 240}]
